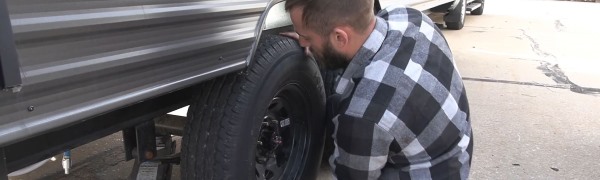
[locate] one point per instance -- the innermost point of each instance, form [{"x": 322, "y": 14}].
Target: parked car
[
  {"x": 76, "y": 71},
  {"x": 455, "y": 10}
]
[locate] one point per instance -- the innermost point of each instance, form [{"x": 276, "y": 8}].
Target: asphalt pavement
[{"x": 530, "y": 68}]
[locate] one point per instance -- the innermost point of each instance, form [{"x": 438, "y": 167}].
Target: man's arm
[{"x": 361, "y": 150}]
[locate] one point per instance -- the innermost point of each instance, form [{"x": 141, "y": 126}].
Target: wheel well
[
  {"x": 442, "y": 8},
  {"x": 274, "y": 20},
  {"x": 274, "y": 17}
]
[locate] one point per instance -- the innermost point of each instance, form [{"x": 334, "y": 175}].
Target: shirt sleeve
[{"x": 361, "y": 149}]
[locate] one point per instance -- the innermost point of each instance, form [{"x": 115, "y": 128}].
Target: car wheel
[
  {"x": 478, "y": 11},
  {"x": 455, "y": 19},
  {"x": 266, "y": 122}
]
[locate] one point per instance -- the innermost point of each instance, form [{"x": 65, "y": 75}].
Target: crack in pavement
[
  {"x": 552, "y": 70},
  {"x": 559, "y": 26},
  {"x": 557, "y": 75},
  {"x": 582, "y": 90},
  {"x": 558, "y": 86},
  {"x": 526, "y": 59},
  {"x": 535, "y": 46}
]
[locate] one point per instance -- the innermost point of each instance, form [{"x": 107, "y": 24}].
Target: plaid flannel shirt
[{"x": 404, "y": 112}]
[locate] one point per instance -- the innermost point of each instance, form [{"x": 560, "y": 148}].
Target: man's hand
[
  {"x": 296, "y": 37},
  {"x": 292, "y": 35}
]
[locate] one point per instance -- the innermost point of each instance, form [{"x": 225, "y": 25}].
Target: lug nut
[{"x": 277, "y": 140}]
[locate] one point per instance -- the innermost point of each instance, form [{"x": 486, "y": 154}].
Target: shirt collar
[{"x": 363, "y": 57}]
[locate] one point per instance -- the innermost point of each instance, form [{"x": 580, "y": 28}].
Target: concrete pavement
[
  {"x": 520, "y": 61},
  {"x": 531, "y": 132}
]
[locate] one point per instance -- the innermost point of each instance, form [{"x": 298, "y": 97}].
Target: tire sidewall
[
  {"x": 463, "y": 12},
  {"x": 455, "y": 19}
]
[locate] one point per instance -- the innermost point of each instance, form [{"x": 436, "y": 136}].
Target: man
[{"x": 403, "y": 112}]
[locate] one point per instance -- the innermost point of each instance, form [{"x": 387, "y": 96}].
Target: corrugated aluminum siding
[{"x": 84, "y": 57}]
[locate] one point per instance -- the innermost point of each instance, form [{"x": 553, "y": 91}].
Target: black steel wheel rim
[{"x": 282, "y": 144}]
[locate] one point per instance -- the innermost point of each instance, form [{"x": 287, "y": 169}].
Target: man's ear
[{"x": 339, "y": 37}]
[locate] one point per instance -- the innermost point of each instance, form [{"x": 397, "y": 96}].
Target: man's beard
[{"x": 332, "y": 59}]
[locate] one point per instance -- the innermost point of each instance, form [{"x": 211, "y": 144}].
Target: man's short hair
[{"x": 323, "y": 15}]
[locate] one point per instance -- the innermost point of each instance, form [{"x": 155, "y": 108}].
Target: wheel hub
[
  {"x": 270, "y": 135},
  {"x": 272, "y": 153}
]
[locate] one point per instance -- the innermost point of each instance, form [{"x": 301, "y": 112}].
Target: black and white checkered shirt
[{"x": 404, "y": 113}]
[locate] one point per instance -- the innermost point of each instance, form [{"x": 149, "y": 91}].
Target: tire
[
  {"x": 272, "y": 113},
  {"x": 479, "y": 11},
  {"x": 330, "y": 78},
  {"x": 455, "y": 20}
]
